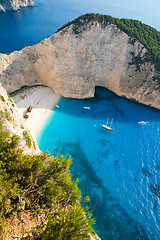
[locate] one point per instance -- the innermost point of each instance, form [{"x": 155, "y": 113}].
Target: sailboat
[{"x": 106, "y": 126}]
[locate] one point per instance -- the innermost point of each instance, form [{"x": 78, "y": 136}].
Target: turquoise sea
[{"x": 120, "y": 169}]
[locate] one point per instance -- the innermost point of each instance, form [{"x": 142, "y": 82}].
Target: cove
[{"x": 119, "y": 170}]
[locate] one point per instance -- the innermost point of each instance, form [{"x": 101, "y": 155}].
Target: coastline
[{"x": 42, "y": 100}]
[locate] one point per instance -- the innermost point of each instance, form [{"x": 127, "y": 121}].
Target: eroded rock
[{"x": 73, "y": 64}]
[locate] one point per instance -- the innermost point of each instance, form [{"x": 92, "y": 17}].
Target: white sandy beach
[{"x": 42, "y": 99}]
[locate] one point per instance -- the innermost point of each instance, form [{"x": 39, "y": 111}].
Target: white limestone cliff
[
  {"x": 6, "y": 5},
  {"x": 73, "y": 64}
]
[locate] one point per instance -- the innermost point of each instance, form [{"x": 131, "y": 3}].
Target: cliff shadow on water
[
  {"x": 108, "y": 104},
  {"x": 112, "y": 221},
  {"x": 114, "y": 168}
]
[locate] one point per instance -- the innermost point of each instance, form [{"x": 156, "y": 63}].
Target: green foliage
[
  {"x": 11, "y": 110},
  {"x": 10, "y": 99},
  {"x": 137, "y": 61},
  {"x": 66, "y": 223},
  {"x": 41, "y": 183},
  {"x": 147, "y": 35},
  {"x": 5, "y": 115},
  {"x": 27, "y": 138},
  {"x": 2, "y": 98},
  {"x": 34, "y": 144},
  {"x": 2, "y": 225}
]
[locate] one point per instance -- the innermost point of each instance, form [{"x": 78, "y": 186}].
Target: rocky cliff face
[
  {"x": 73, "y": 63},
  {"x": 6, "y": 5},
  {"x": 14, "y": 124}
]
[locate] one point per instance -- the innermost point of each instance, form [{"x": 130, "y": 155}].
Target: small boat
[
  {"x": 87, "y": 108},
  {"x": 142, "y": 122},
  {"x": 106, "y": 127},
  {"x": 57, "y": 106}
]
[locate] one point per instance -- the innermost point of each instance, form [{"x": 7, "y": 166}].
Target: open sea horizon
[
  {"x": 30, "y": 25},
  {"x": 119, "y": 169}
]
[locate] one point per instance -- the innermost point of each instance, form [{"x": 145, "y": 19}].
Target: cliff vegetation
[
  {"x": 41, "y": 183},
  {"x": 146, "y": 35}
]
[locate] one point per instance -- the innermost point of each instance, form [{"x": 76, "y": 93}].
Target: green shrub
[
  {"x": 41, "y": 183},
  {"x": 11, "y": 110},
  {"x": 2, "y": 225},
  {"x": 34, "y": 144},
  {"x": 9, "y": 97},
  {"x": 2, "y": 98},
  {"x": 27, "y": 139},
  {"x": 68, "y": 223}
]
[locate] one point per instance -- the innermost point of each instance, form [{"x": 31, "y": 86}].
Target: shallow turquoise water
[{"x": 119, "y": 170}]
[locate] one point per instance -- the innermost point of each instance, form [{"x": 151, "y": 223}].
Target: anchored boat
[{"x": 107, "y": 127}]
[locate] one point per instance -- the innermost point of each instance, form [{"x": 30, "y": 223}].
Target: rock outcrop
[
  {"x": 6, "y": 5},
  {"x": 74, "y": 63},
  {"x": 13, "y": 123}
]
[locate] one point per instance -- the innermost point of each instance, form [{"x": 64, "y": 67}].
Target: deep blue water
[
  {"x": 119, "y": 170},
  {"x": 30, "y": 25}
]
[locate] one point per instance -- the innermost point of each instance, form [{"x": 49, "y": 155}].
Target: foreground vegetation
[
  {"x": 147, "y": 35},
  {"x": 41, "y": 183}
]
